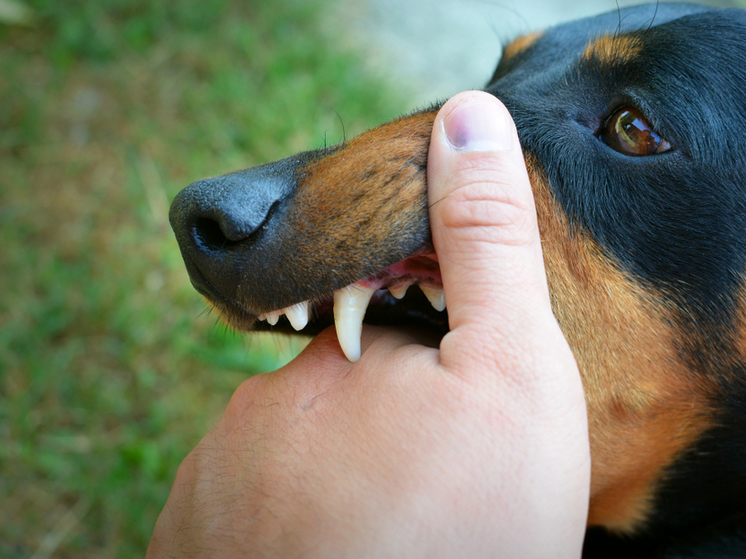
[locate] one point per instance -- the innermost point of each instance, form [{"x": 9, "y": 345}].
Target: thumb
[{"x": 484, "y": 224}]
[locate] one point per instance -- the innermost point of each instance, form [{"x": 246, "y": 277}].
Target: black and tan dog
[{"x": 633, "y": 128}]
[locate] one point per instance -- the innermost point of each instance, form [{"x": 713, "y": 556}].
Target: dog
[{"x": 632, "y": 126}]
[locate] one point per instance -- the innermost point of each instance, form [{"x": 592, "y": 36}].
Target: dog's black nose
[
  {"x": 213, "y": 214},
  {"x": 219, "y": 222}
]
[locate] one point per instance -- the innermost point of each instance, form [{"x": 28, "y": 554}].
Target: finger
[{"x": 484, "y": 220}]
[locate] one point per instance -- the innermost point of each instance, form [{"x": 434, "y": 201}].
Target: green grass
[{"x": 110, "y": 370}]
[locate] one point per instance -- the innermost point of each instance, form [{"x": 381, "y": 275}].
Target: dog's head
[{"x": 632, "y": 124}]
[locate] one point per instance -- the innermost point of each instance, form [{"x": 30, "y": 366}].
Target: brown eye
[{"x": 628, "y": 132}]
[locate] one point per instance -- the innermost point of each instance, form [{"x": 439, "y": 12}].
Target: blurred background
[{"x": 111, "y": 369}]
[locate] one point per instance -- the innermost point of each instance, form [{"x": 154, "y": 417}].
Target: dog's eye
[{"x": 628, "y": 132}]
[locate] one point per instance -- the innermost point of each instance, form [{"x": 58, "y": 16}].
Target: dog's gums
[{"x": 351, "y": 302}]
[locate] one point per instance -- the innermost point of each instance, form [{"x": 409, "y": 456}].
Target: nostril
[
  {"x": 221, "y": 213},
  {"x": 208, "y": 234},
  {"x": 227, "y": 228}
]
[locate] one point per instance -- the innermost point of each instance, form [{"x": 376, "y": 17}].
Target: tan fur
[
  {"x": 362, "y": 198},
  {"x": 611, "y": 50},
  {"x": 381, "y": 171},
  {"x": 521, "y": 44},
  {"x": 644, "y": 406}
]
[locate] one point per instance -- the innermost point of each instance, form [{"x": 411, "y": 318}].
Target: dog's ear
[
  {"x": 520, "y": 45},
  {"x": 512, "y": 54}
]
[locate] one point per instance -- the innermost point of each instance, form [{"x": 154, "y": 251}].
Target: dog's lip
[
  {"x": 234, "y": 313},
  {"x": 421, "y": 268},
  {"x": 201, "y": 284}
]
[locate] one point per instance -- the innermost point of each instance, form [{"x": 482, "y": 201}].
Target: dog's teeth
[
  {"x": 437, "y": 297},
  {"x": 273, "y": 317},
  {"x": 262, "y": 317},
  {"x": 298, "y": 315},
  {"x": 398, "y": 292},
  {"x": 350, "y": 304}
]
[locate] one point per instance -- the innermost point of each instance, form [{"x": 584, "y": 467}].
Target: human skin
[{"x": 475, "y": 445}]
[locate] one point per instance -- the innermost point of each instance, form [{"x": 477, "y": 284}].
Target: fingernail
[{"x": 479, "y": 126}]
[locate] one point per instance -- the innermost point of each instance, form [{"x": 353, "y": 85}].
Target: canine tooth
[
  {"x": 273, "y": 317},
  {"x": 298, "y": 315},
  {"x": 437, "y": 297},
  {"x": 398, "y": 292},
  {"x": 350, "y": 304}
]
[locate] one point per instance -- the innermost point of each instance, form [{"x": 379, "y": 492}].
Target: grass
[{"x": 110, "y": 370}]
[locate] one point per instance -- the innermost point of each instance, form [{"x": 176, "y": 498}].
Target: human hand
[{"x": 478, "y": 448}]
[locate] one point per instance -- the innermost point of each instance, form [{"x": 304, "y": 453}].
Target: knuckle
[
  {"x": 246, "y": 393},
  {"x": 482, "y": 200},
  {"x": 487, "y": 209},
  {"x": 245, "y": 403}
]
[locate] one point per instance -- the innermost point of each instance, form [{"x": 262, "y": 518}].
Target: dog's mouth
[{"x": 408, "y": 293}]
